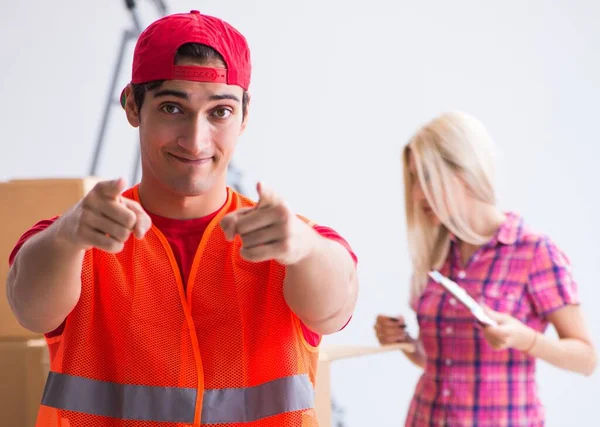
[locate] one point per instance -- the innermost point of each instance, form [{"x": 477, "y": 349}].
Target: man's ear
[
  {"x": 128, "y": 103},
  {"x": 245, "y": 119}
]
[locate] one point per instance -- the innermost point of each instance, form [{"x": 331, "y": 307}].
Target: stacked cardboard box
[
  {"x": 24, "y": 366},
  {"x": 24, "y": 360}
]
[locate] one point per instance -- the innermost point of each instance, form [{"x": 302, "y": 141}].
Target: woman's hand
[
  {"x": 510, "y": 332},
  {"x": 391, "y": 330}
]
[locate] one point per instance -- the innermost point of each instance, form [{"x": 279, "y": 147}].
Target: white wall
[{"x": 338, "y": 88}]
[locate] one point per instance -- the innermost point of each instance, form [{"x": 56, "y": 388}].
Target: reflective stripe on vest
[
  {"x": 172, "y": 404},
  {"x": 240, "y": 405}
]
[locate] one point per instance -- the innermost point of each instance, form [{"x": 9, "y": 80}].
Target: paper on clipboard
[{"x": 463, "y": 297}]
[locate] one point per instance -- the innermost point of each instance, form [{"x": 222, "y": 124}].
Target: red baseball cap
[{"x": 155, "y": 50}]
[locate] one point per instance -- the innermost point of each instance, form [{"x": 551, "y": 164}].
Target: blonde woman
[{"x": 478, "y": 375}]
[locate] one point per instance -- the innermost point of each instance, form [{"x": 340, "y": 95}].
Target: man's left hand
[{"x": 270, "y": 230}]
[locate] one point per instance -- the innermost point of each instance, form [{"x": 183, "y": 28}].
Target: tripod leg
[{"x": 127, "y": 36}]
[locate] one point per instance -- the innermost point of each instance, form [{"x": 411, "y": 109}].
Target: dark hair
[{"x": 201, "y": 54}]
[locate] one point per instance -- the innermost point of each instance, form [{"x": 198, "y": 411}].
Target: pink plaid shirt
[{"x": 466, "y": 382}]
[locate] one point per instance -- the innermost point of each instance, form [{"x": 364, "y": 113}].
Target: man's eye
[
  {"x": 222, "y": 113},
  {"x": 171, "y": 109}
]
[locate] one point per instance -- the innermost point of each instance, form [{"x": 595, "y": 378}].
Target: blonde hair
[{"x": 453, "y": 148}]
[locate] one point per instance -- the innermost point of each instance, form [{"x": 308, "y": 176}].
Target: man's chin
[{"x": 192, "y": 188}]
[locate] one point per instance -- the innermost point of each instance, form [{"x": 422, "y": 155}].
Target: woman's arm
[
  {"x": 573, "y": 350},
  {"x": 392, "y": 330},
  {"x": 417, "y": 357}
]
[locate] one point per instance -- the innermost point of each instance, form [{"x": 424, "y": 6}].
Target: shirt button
[
  {"x": 449, "y": 330},
  {"x": 452, "y": 301},
  {"x": 462, "y": 274},
  {"x": 446, "y": 393},
  {"x": 448, "y": 362}
]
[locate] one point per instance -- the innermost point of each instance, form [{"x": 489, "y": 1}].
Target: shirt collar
[{"x": 507, "y": 234}]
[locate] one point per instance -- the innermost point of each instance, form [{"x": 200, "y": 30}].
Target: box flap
[
  {"x": 50, "y": 182},
  {"x": 332, "y": 352}
]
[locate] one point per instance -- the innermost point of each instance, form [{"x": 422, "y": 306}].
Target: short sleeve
[
  {"x": 39, "y": 226},
  {"x": 551, "y": 284},
  {"x": 331, "y": 234}
]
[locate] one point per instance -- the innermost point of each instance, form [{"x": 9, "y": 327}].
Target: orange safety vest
[{"x": 138, "y": 350}]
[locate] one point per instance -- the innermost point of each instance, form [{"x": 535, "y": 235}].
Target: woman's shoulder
[
  {"x": 516, "y": 230},
  {"x": 531, "y": 242}
]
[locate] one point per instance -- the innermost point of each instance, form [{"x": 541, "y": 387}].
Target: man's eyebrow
[
  {"x": 171, "y": 92},
  {"x": 220, "y": 97},
  {"x": 184, "y": 95}
]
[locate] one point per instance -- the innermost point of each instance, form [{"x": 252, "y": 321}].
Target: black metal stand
[{"x": 112, "y": 99}]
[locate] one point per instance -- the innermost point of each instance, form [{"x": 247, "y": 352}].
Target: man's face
[{"x": 188, "y": 133}]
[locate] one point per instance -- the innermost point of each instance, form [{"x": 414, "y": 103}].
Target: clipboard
[{"x": 463, "y": 297}]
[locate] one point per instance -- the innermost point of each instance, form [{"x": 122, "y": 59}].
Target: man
[{"x": 178, "y": 301}]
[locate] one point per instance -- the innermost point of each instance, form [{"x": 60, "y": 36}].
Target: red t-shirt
[{"x": 184, "y": 237}]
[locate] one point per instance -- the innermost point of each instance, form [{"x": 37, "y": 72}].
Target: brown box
[
  {"x": 22, "y": 204},
  {"x": 24, "y": 366},
  {"x": 329, "y": 354}
]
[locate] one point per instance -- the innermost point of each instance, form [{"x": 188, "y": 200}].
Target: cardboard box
[
  {"x": 24, "y": 366},
  {"x": 329, "y": 354},
  {"x": 22, "y": 204}
]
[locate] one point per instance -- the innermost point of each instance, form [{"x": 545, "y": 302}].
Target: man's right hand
[
  {"x": 390, "y": 330},
  {"x": 103, "y": 219}
]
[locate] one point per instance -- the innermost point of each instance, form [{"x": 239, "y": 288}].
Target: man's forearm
[
  {"x": 323, "y": 287},
  {"x": 44, "y": 282}
]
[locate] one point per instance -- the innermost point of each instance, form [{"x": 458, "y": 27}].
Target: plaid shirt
[{"x": 466, "y": 382}]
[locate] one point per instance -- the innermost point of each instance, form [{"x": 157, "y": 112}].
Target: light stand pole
[{"x": 112, "y": 100}]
